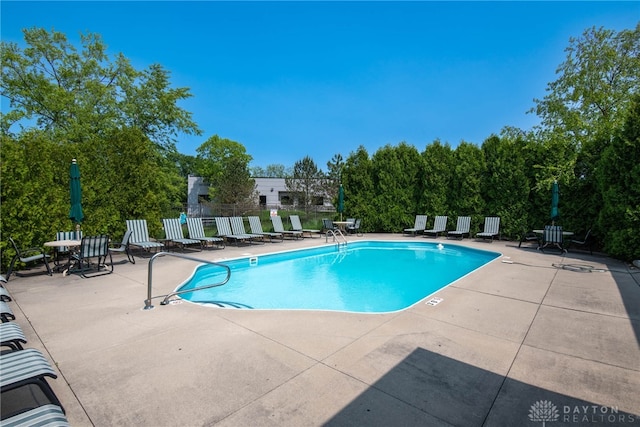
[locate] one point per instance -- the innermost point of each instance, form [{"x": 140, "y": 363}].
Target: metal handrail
[
  {"x": 165, "y": 301},
  {"x": 335, "y": 234}
]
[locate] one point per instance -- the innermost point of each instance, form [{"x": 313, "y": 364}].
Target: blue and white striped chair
[
  {"x": 140, "y": 235},
  {"x": 196, "y": 231},
  {"x": 491, "y": 228},
  {"x": 45, "y": 415},
  {"x": 6, "y": 314},
  {"x": 173, "y": 232},
  {"x": 24, "y": 367},
  {"x": 91, "y": 259},
  {"x": 418, "y": 226},
  {"x": 12, "y": 336},
  {"x": 463, "y": 226},
  {"x": 439, "y": 226},
  {"x": 553, "y": 236}
]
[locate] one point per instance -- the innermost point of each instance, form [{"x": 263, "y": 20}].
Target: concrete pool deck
[{"x": 504, "y": 341}]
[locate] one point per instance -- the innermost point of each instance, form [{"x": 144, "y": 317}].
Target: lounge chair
[
  {"x": 140, "y": 235},
  {"x": 26, "y": 256},
  {"x": 196, "y": 231},
  {"x": 91, "y": 259},
  {"x": 279, "y": 228},
  {"x": 419, "y": 225},
  {"x": 237, "y": 228},
  {"x": 45, "y": 415},
  {"x": 24, "y": 367},
  {"x": 296, "y": 225},
  {"x": 124, "y": 247},
  {"x": 223, "y": 224},
  {"x": 12, "y": 336},
  {"x": 173, "y": 232},
  {"x": 462, "y": 227},
  {"x": 586, "y": 241},
  {"x": 354, "y": 228},
  {"x": 256, "y": 228},
  {"x": 4, "y": 294},
  {"x": 6, "y": 314},
  {"x": 439, "y": 226},
  {"x": 553, "y": 236},
  {"x": 491, "y": 228}
]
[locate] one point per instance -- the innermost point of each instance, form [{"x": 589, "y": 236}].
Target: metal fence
[{"x": 210, "y": 210}]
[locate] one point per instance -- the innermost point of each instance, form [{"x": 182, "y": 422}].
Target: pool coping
[{"x": 503, "y": 339}]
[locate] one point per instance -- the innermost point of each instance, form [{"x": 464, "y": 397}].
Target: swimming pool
[{"x": 365, "y": 277}]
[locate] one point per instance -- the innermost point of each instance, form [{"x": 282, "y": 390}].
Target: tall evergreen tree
[{"x": 619, "y": 182}]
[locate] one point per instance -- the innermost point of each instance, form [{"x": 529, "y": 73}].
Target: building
[{"x": 272, "y": 193}]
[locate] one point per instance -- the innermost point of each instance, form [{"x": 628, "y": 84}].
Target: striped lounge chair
[
  {"x": 256, "y": 228},
  {"x": 462, "y": 227},
  {"x": 24, "y": 367},
  {"x": 11, "y": 336},
  {"x": 173, "y": 232},
  {"x": 439, "y": 226},
  {"x": 46, "y": 415},
  {"x": 196, "y": 231},
  {"x": 419, "y": 225},
  {"x": 279, "y": 228},
  {"x": 140, "y": 235},
  {"x": 6, "y": 314},
  {"x": 491, "y": 228}
]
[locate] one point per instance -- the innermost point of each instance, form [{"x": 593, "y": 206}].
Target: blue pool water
[{"x": 368, "y": 276}]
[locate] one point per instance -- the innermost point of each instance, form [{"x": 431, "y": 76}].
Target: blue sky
[{"x": 291, "y": 79}]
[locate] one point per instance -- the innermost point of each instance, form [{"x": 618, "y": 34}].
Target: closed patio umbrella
[
  {"x": 340, "y": 207},
  {"x": 75, "y": 192},
  {"x": 555, "y": 202}
]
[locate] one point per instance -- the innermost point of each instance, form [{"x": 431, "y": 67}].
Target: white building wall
[{"x": 271, "y": 188}]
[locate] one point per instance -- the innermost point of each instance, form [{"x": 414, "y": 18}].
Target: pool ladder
[
  {"x": 165, "y": 301},
  {"x": 335, "y": 233}
]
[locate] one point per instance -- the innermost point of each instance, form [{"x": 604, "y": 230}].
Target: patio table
[
  {"x": 342, "y": 224},
  {"x": 71, "y": 244}
]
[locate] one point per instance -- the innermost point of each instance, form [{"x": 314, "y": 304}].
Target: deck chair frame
[
  {"x": 463, "y": 225},
  {"x": 279, "y": 228},
  {"x": 125, "y": 247},
  {"x": 223, "y": 224},
  {"x": 24, "y": 367},
  {"x": 439, "y": 226},
  {"x": 140, "y": 235},
  {"x": 27, "y": 256},
  {"x": 256, "y": 228},
  {"x": 237, "y": 228},
  {"x": 195, "y": 227},
  {"x": 296, "y": 225},
  {"x": 419, "y": 225},
  {"x": 173, "y": 233},
  {"x": 491, "y": 228}
]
